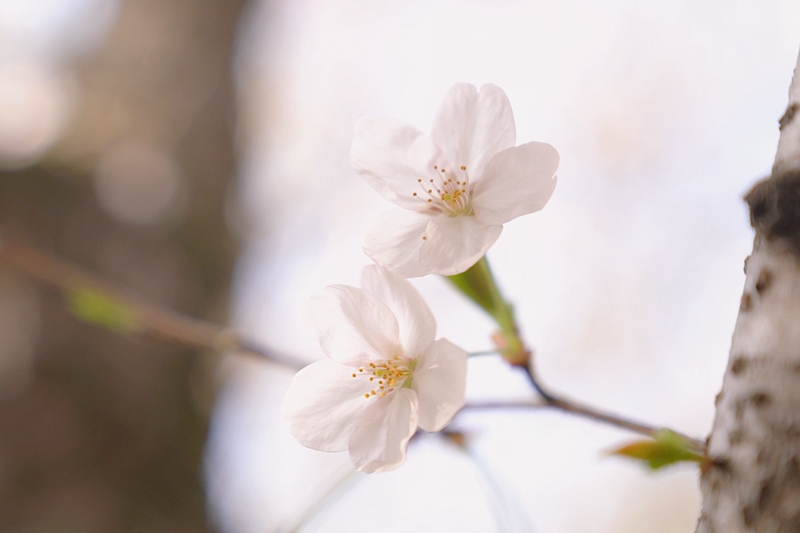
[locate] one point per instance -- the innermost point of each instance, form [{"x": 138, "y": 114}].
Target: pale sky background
[{"x": 627, "y": 284}]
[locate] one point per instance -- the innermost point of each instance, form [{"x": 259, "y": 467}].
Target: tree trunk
[{"x": 753, "y": 481}]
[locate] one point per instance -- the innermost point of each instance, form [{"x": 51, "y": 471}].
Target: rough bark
[
  {"x": 101, "y": 432},
  {"x": 753, "y": 481}
]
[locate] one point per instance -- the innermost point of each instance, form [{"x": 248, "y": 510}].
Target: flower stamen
[
  {"x": 452, "y": 196},
  {"x": 392, "y": 374}
]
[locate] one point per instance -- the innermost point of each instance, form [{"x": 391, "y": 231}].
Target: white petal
[
  {"x": 351, "y": 325},
  {"x": 391, "y": 156},
  {"x": 440, "y": 380},
  {"x": 379, "y": 441},
  {"x": 471, "y": 126},
  {"x": 323, "y": 405},
  {"x": 394, "y": 240},
  {"x": 453, "y": 244},
  {"x": 415, "y": 319},
  {"x": 516, "y": 182}
]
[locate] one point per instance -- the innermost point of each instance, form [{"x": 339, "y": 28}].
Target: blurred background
[{"x": 196, "y": 153}]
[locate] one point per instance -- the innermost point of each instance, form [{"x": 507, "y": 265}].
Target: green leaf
[
  {"x": 665, "y": 449},
  {"x": 97, "y": 307}
]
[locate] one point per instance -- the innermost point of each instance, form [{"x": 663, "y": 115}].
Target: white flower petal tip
[
  {"x": 457, "y": 186},
  {"x": 385, "y": 374}
]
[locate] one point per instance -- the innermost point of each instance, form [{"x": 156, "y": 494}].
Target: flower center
[
  {"x": 387, "y": 376},
  {"x": 447, "y": 191}
]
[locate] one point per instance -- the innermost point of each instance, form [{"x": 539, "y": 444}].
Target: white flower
[
  {"x": 385, "y": 373},
  {"x": 457, "y": 187}
]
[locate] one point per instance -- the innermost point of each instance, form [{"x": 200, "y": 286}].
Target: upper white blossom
[
  {"x": 385, "y": 374},
  {"x": 457, "y": 187}
]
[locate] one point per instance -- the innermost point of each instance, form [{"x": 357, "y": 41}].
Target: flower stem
[{"x": 478, "y": 284}]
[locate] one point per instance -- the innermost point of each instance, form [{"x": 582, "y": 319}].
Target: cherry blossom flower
[
  {"x": 384, "y": 376},
  {"x": 457, "y": 187}
]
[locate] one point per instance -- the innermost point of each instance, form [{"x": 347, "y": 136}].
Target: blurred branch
[
  {"x": 151, "y": 319},
  {"x": 481, "y": 353},
  {"x": 343, "y": 482},
  {"x": 503, "y": 500},
  {"x": 146, "y": 318}
]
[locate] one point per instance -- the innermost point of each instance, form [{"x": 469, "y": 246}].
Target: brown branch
[
  {"x": 478, "y": 284},
  {"x": 571, "y": 407},
  {"x": 550, "y": 399},
  {"x": 547, "y": 399},
  {"x": 150, "y": 319},
  {"x": 162, "y": 323},
  {"x": 586, "y": 411}
]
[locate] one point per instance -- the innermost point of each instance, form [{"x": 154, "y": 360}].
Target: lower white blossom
[{"x": 384, "y": 376}]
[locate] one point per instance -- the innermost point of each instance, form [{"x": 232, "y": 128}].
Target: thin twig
[
  {"x": 341, "y": 484},
  {"x": 150, "y": 319},
  {"x": 504, "y": 501},
  {"x": 482, "y": 353},
  {"x": 531, "y": 403}
]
